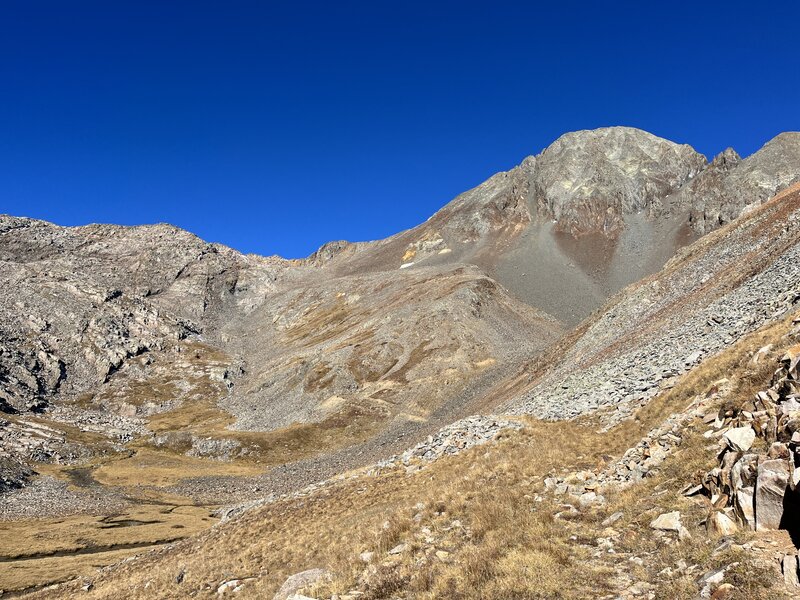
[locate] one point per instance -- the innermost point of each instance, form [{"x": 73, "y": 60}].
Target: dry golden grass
[
  {"x": 46, "y": 550},
  {"x": 162, "y": 468},
  {"x": 204, "y": 419}
]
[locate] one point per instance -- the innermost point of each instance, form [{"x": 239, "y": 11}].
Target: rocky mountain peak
[{"x": 586, "y": 181}]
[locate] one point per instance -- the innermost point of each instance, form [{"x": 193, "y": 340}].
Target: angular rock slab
[
  {"x": 789, "y": 567},
  {"x": 740, "y": 439},
  {"x": 743, "y": 488},
  {"x": 720, "y": 524},
  {"x": 771, "y": 487}
]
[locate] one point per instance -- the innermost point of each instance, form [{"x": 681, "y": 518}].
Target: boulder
[
  {"x": 712, "y": 578},
  {"x": 612, "y": 519},
  {"x": 399, "y": 549},
  {"x": 297, "y": 582},
  {"x": 791, "y": 359},
  {"x": 778, "y": 450},
  {"x": 724, "y": 591},
  {"x": 794, "y": 471},
  {"x": 589, "y": 498},
  {"x": 670, "y": 521},
  {"x": 762, "y": 353},
  {"x": 788, "y": 406},
  {"x": 740, "y": 439},
  {"x": 771, "y": 486},
  {"x": 693, "y": 358}
]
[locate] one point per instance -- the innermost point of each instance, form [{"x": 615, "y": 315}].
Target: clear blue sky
[{"x": 276, "y": 127}]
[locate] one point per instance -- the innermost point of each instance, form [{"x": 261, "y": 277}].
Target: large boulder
[
  {"x": 720, "y": 524},
  {"x": 789, "y": 567}
]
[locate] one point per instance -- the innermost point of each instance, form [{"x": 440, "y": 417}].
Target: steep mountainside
[
  {"x": 150, "y": 336},
  {"x": 724, "y": 286}
]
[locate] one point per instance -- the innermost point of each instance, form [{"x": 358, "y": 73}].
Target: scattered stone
[
  {"x": 399, "y": 549},
  {"x": 230, "y": 586},
  {"x": 588, "y": 498},
  {"x": 724, "y": 591},
  {"x": 720, "y": 524},
  {"x": 762, "y": 352},
  {"x": 692, "y": 490},
  {"x": 610, "y": 520}
]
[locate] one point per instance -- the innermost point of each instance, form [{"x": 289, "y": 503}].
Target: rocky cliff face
[
  {"x": 78, "y": 302},
  {"x": 588, "y": 182}
]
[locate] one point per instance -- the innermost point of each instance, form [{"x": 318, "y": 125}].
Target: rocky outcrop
[
  {"x": 298, "y": 582},
  {"x": 760, "y": 490},
  {"x": 592, "y": 213},
  {"x": 585, "y": 182},
  {"x": 14, "y": 473}
]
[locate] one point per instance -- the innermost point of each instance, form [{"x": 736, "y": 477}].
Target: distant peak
[{"x": 726, "y": 159}]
